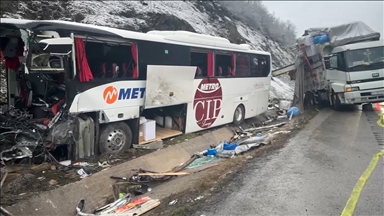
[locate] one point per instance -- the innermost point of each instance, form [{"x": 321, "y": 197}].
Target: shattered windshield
[{"x": 365, "y": 59}]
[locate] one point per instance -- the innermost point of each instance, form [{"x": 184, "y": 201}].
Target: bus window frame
[
  {"x": 258, "y": 56},
  {"x": 108, "y": 41},
  {"x": 204, "y": 51},
  {"x": 225, "y": 53},
  {"x": 248, "y": 68}
]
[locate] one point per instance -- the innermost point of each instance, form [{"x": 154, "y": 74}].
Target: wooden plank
[
  {"x": 162, "y": 133},
  {"x": 164, "y": 174},
  {"x": 283, "y": 70}
]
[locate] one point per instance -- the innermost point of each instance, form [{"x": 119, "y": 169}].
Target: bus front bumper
[{"x": 367, "y": 96}]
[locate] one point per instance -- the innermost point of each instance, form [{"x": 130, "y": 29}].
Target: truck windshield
[{"x": 365, "y": 59}]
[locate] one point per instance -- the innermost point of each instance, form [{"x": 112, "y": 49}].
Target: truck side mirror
[
  {"x": 326, "y": 62},
  {"x": 331, "y": 62}
]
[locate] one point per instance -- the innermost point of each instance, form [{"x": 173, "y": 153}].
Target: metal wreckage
[{"x": 34, "y": 125}]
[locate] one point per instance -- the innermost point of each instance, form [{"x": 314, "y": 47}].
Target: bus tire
[
  {"x": 239, "y": 115},
  {"x": 115, "y": 138}
]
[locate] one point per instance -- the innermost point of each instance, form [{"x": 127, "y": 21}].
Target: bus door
[{"x": 169, "y": 85}]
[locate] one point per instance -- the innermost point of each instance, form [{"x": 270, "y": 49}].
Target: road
[{"x": 314, "y": 174}]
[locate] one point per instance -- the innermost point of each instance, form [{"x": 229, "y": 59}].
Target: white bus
[{"x": 186, "y": 82}]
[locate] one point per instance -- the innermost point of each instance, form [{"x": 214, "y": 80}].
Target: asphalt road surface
[{"x": 314, "y": 174}]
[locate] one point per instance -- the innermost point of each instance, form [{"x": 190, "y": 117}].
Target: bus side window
[
  {"x": 242, "y": 65},
  {"x": 260, "y": 65},
  {"x": 265, "y": 63},
  {"x": 255, "y": 66},
  {"x": 223, "y": 65},
  {"x": 200, "y": 60},
  {"x": 107, "y": 61}
]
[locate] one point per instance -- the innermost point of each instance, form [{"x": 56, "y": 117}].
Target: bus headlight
[{"x": 350, "y": 89}]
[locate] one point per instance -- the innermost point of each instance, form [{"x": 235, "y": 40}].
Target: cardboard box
[
  {"x": 149, "y": 130},
  {"x": 178, "y": 124},
  {"x": 141, "y": 134}
]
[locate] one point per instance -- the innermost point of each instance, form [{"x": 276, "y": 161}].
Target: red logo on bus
[
  {"x": 110, "y": 95},
  {"x": 207, "y": 102}
]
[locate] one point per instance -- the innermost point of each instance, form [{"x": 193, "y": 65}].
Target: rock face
[{"x": 205, "y": 17}]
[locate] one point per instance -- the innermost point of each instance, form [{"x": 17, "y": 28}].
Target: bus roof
[{"x": 171, "y": 37}]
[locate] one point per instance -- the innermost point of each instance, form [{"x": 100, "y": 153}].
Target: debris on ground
[
  {"x": 173, "y": 202},
  {"x": 28, "y": 140},
  {"x": 53, "y": 182},
  {"x": 82, "y": 173},
  {"x": 126, "y": 205},
  {"x": 127, "y": 199},
  {"x": 243, "y": 141},
  {"x": 293, "y": 112},
  {"x": 129, "y": 189},
  {"x": 202, "y": 161},
  {"x": 152, "y": 145}
]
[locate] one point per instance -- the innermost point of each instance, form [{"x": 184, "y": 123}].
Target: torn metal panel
[
  {"x": 169, "y": 85},
  {"x": 16, "y": 153}
]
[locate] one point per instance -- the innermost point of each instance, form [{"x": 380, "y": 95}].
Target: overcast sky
[{"x": 311, "y": 14}]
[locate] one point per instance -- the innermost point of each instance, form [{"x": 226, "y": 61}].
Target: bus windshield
[{"x": 365, "y": 59}]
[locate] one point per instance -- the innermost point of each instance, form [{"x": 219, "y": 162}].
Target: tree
[{"x": 255, "y": 14}]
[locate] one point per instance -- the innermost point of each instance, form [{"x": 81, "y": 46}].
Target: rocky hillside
[{"x": 205, "y": 17}]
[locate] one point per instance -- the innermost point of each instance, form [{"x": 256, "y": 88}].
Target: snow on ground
[
  {"x": 281, "y": 90},
  {"x": 203, "y": 17}
]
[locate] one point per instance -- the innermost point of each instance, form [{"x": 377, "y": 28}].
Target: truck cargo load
[
  {"x": 346, "y": 33},
  {"x": 316, "y": 81}
]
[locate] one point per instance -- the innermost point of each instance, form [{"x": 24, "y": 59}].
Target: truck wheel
[
  {"x": 367, "y": 107},
  {"x": 115, "y": 138},
  {"x": 309, "y": 100},
  {"x": 336, "y": 104},
  {"x": 239, "y": 115}
]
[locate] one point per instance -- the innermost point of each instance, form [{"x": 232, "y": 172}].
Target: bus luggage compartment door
[
  {"x": 85, "y": 146},
  {"x": 169, "y": 85}
]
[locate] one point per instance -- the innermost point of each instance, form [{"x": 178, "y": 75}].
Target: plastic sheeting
[
  {"x": 298, "y": 98},
  {"x": 346, "y": 33}
]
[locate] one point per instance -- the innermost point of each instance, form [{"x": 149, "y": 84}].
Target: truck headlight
[{"x": 350, "y": 89}]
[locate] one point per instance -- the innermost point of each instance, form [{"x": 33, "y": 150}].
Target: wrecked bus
[{"x": 86, "y": 89}]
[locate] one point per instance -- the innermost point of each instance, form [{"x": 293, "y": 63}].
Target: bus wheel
[
  {"x": 239, "y": 115},
  {"x": 115, "y": 138}
]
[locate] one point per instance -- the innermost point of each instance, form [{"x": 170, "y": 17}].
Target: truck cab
[{"x": 355, "y": 73}]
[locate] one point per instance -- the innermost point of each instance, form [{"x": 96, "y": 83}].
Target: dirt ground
[
  {"x": 188, "y": 193},
  {"x": 24, "y": 181}
]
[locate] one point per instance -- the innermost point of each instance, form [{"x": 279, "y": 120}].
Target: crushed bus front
[{"x": 33, "y": 111}]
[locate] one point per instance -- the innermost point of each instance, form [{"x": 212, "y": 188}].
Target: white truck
[{"x": 341, "y": 65}]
